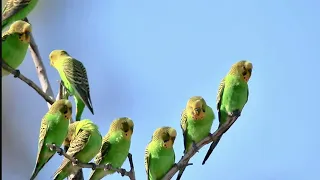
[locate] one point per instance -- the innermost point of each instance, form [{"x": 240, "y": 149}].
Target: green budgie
[
  {"x": 75, "y": 79},
  {"x": 196, "y": 122},
  {"x": 15, "y": 44},
  {"x": 232, "y": 96},
  {"x": 159, "y": 155},
  {"x": 16, "y": 10},
  {"x": 53, "y": 130},
  {"x": 115, "y": 147},
  {"x": 84, "y": 145}
]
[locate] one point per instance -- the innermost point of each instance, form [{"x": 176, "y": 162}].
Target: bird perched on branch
[
  {"x": 115, "y": 147},
  {"x": 53, "y": 130},
  {"x": 74, "y": 77},
  {"x": 232, "y": 96},
  {"x": 15, "y": 44},
  {"x": 159, "y": 154},
  {"x": 84, "y": 145},
  {"x": 196, "y": 122},
  {"x": 16, "y": 10}
]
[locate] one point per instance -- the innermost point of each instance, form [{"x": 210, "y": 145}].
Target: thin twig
[
  {"x": 94, "y": 166},
  {"x": 210, "y": 138},
  {"x": 17, "y": 74},
  {"x": 41, "y": 70}
]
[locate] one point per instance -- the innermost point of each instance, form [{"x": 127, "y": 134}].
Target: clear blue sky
[{"x": 145, "y": 59}]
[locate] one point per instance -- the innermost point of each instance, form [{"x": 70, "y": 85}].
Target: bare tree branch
[
  {"x": 17, "y": 74},
  {"x": 210, "y": 138},
  {"x": 41, "y": 70},
  {"x": 94, "y": 166}
]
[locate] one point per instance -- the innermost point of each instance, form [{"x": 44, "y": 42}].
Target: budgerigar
[
  {"x": 196, "y": 122},
  {"x": 232, "y": 96},
  {"x": 84, "y": 145},
  {"x": 74, "y": 77},
  {"x": 115, "y": 147},
  {"x": 53, "y": 130},
  {"x": 159, "y": 154},
  {"x": 15, "y": 44},
  {"x": 17, "y": 10}
]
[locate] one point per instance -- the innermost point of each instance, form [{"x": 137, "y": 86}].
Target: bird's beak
[{"x": 197, "y": 110}]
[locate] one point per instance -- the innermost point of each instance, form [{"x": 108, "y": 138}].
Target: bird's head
[
  {"x": 22, "y": 29},
  {"x": 166, "y": 135},
  {"x": 125, "y": 125},
  {"x": 63, "y": 106},
  {"x": 243, "y": 69},
  {"x": 55, "y": 55},
  {"x": 196, "y": 107}
]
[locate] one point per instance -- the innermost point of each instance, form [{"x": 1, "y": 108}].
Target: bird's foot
[
  {"x": 122, "y": 172},
  {"x": 195, "y": 147},
  {"x": 16, "y": 73},
  {"x": 107, "y": 167},
  {"x": 60, "y": 152},
  {"x": 76, "y": 162},
  {"x": 94, "y": 166},
  {"x": 210, "y": 135},
  {"x": 236, "y": 113}
]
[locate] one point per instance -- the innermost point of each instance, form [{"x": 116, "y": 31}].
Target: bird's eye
[
  {"x": 166, "y": 140},
  {"x": 204, "y": 110},
  {"x": 126, "y": 131}
]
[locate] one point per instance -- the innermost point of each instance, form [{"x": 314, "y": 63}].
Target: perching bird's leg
[
  {"x": 194, "y": 146},
  {"x": 107, "y": 167},
  {"x": 16, "y": 73},
  {"x": 122, "y": 172},
  {"x": 76, "y": 162},
  {"x": 94, "y": 166}
]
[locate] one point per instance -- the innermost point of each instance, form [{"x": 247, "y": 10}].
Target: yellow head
[
  {"x": 243, "y": 69},
  {"x": 166, "y": 135},
  {"x": 125, "y": 125},
  {"x": 55, "y": 55},
  {"x": 196, "y": 107},
  {"x": 22, "y": 29},
  {"x": 63, "y": 106}
]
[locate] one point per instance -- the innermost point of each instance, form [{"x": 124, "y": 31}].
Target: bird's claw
[
  {"x": 94, "y": 166},
  {"x": 60, "y": 153},
  {"x": 210, "y": 135},
  {"x": 195, "y": 147},
  {"x": 16, "y": 73},
  {"x": 122, "y": 172},
  {"x": 107, "y": 167},
  {"x": 76, "y": 162}
]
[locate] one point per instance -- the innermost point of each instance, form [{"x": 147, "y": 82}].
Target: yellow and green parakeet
[
  {"x": 15, "y": 44},
  {"x": 232, "y": 96},
  {"x": 196, "y": 122},
  {"x": 159, "y": 154},
  {"x": 84, "y": 145},
  {"x": 16, "y": 10},
  {"x": 115, "y": 147},
  {"x": 53, "y": 130},
  {"x": 74, "y": 77}
]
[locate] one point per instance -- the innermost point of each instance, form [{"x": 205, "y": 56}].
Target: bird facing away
[
  {"x": 15, "y": 44},
  {"x": 84, "y": 145},
  {"x": 16, "y": 10},
  {"x": 232, "y": 96},
  {"x": 159, "y": 154},
  {"x": 74, "y": 77},
  {"x": 53, "y": 130},
  {"x": 196, "y": 121},
  {"x": 115, "y": 147}
]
